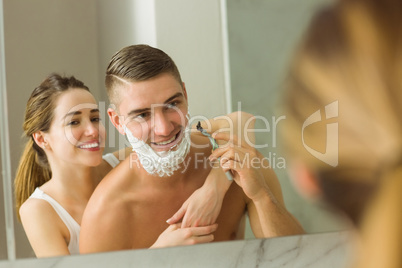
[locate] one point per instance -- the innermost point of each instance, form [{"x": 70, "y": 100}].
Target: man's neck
[{"x": 178, "y": 176}]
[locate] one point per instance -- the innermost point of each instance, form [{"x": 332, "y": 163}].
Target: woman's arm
[
  {"x": 45, "y": 230},
  {"x": 176, "y": 236},
  {"x": 204, "y": 205}
]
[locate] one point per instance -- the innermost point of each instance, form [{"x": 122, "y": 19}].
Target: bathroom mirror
[{"x": 237, "y": 50}]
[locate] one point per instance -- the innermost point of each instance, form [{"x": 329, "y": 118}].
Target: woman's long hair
[
  {"x": 349, "y": 68},
  {"x": 34, "y": 169}
]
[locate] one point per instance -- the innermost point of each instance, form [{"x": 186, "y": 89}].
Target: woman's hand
[
  {"x": 204, "y": 205},
  {"x": 176, "y": 236}
]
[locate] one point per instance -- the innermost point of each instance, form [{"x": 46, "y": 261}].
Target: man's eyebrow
[
  {"x": 173, "y": 97},
  {"x": 143, "y": 110},
  {"x": 79, "y": 112},
  {"x": 139, "y": 111}
]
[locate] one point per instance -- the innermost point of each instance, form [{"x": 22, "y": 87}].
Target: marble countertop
[{"x": 325, "y": 250}]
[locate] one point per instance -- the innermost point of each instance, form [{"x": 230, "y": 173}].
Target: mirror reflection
[
  {"x": 80, "y": 38},
  {"x": 262, "y": 38}
]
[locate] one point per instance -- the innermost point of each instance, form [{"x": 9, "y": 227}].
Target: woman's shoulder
[
  {"x": 42, "y": 226},
  {"x": 37, "y": 210}
]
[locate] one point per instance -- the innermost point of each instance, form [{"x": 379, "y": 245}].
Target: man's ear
[
  {"x": 116, "y": 120},
  {"x": 40, "y": 140},
  {"x": 184, "y": 90},
  {"x": 305, "y": 182}
]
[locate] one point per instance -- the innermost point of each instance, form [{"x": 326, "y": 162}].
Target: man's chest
[{"x": 149, "y": 211}]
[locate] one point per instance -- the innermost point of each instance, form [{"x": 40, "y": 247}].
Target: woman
[
  {"x": 62, "y": 164},
  {"x": 349, "y": 67}
]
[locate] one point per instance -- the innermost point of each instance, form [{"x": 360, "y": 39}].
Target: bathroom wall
[
  {"x": 41, "y": 37},
  {"x": 262, "y": 37},
  {"x": 190, "y": 32}
]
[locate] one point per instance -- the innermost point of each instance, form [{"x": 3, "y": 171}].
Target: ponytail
[
  {"x": 33, "y": 171},
  {"x": 381, "y": 231}
]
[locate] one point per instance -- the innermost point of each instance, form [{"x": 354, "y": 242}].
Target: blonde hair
[
  {"x": 34, "y": 169},
  {"x": 352, "y": 55}
]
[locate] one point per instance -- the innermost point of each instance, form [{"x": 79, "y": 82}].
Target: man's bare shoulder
[
  {"x": 115, "y": 185},
  {"x": 107, "y": 213},
  {"x": 108, "y": 200}
]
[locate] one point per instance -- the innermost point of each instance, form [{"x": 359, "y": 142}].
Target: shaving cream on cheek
[{"x": 164, "y": 163}]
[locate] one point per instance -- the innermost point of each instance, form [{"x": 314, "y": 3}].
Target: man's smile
[{"x": 167, "y": 144}]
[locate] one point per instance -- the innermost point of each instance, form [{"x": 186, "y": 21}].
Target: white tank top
[
  {"x": 72, "y": 226},
  {"x": 111, "y": 159}
]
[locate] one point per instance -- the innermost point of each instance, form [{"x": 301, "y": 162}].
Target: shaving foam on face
[{"x": 163, "y": 163}]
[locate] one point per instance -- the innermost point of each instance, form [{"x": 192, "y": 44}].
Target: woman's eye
[
  {"x": 96, "y": 119},
  {"x": 73, "y": 123}
]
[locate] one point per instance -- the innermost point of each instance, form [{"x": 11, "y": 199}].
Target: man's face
[{"x": 155, "y": 111}]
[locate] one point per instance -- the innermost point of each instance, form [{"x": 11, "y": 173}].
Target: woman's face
[{"x": 76, "y": 134}]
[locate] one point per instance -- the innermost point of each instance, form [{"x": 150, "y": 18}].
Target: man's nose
[{"x": 162, "y": 125}]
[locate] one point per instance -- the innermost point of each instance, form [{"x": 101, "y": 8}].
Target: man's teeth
[
  {"x": 166, "y": 142},
  {"x": 90, "y": 145}
]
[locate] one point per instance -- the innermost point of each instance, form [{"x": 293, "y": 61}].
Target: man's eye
[
  {"x": 142, "y": 115},
  {"x": 172, "y": 104}
]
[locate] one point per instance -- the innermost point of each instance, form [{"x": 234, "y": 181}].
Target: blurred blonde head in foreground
[{"x": 349, "y": 68}]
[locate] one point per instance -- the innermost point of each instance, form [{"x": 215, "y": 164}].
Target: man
[{"x": 129, "y": 208}]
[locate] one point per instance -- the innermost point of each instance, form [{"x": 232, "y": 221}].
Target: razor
[{"x": 214, "y": 146}]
